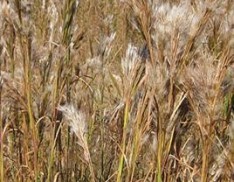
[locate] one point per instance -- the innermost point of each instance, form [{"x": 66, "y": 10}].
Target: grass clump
[{"x": 116, "y": 90}]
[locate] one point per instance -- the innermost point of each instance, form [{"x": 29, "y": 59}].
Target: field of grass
[{"x": 117, "y": 90}]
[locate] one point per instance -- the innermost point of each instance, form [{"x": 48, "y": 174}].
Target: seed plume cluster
[{"x": 130, "y": 90}]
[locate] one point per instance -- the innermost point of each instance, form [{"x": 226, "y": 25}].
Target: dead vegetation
[{"x": 127, "y": 90}]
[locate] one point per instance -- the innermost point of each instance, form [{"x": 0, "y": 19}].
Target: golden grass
[{"x": 128, "y": 90}]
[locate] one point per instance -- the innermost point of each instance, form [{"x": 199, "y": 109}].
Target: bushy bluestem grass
[{"x": 127, "y": 90}]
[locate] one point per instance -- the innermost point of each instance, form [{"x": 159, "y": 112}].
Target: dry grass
[{"x": 128, "y": 90}]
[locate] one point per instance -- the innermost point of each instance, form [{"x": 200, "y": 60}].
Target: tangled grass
[{"x": 128, "y": 90}]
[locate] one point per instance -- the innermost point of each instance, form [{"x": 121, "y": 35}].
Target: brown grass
[{"x": 128, "y": 90}]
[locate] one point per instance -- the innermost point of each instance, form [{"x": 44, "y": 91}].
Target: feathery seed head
[
  {"x": 76, "y": 119},
  {"x": 130, "y": 61}
]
